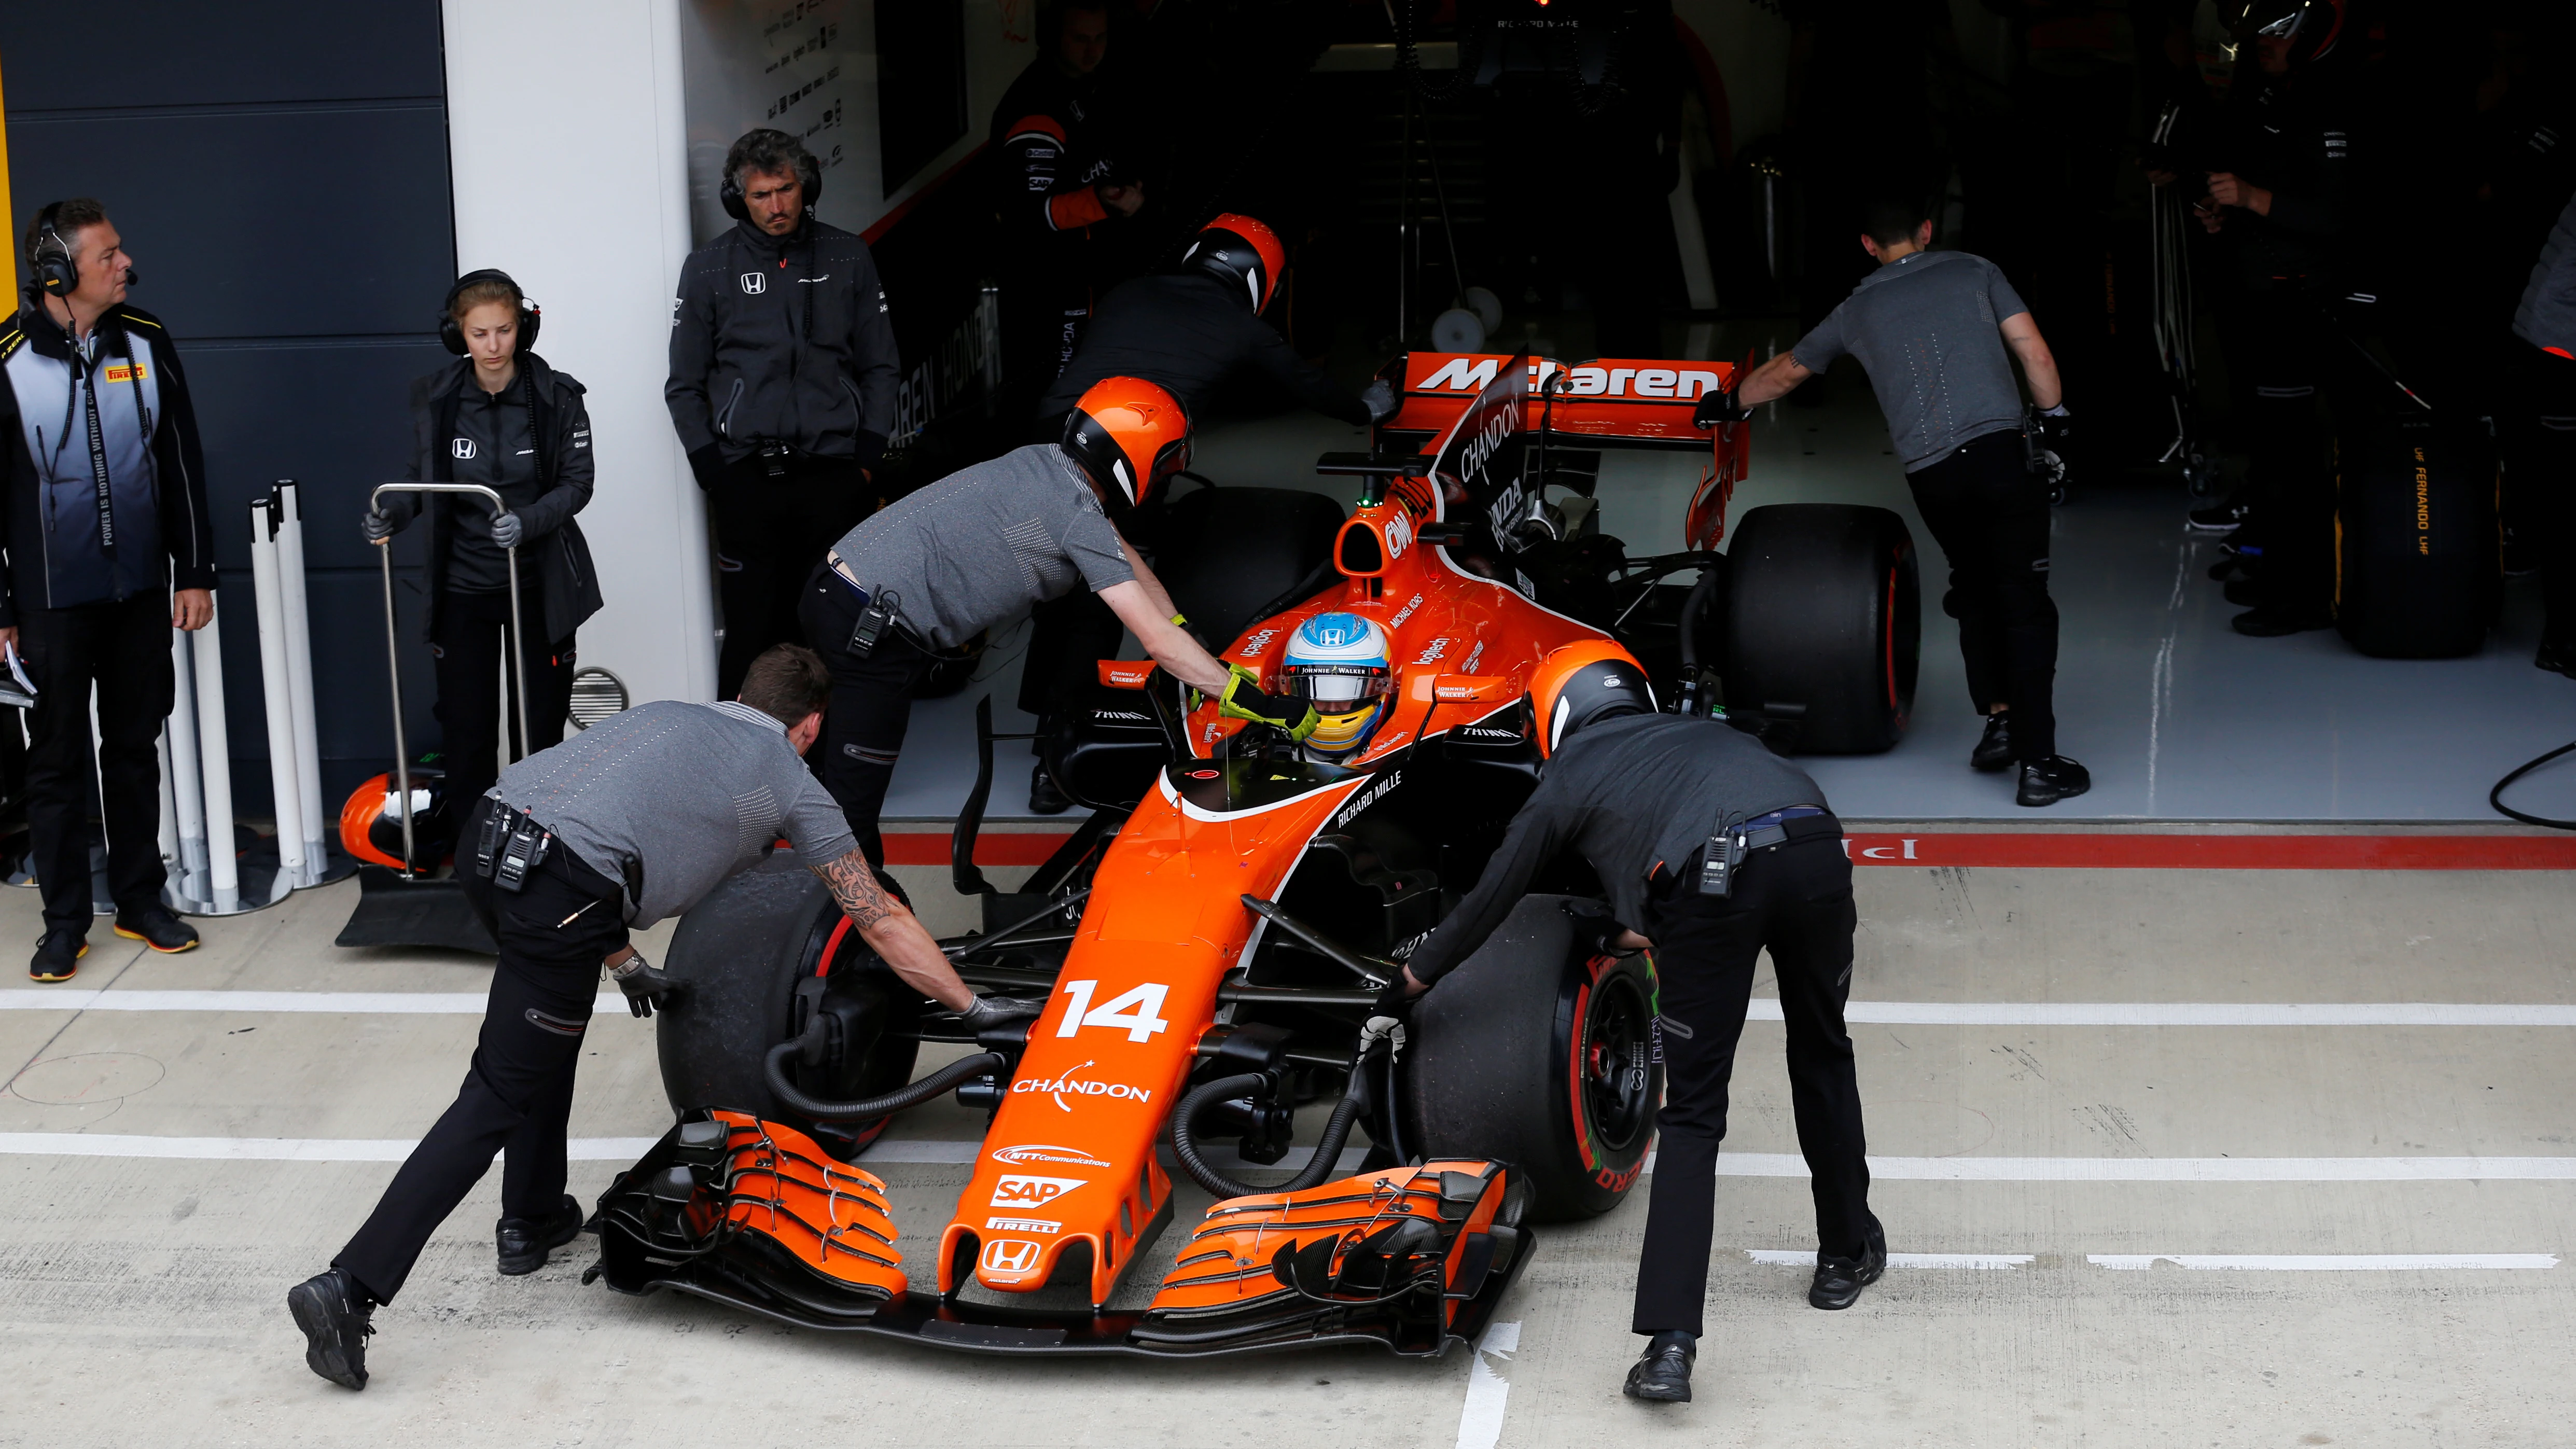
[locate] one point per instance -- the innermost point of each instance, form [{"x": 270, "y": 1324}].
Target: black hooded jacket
[{"x": 786, "y": 340}]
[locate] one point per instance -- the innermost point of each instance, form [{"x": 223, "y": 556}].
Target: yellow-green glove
[{"x": 1246, "y": 699}]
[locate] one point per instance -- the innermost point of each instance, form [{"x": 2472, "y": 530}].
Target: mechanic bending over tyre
[
  {"x": 782, "y": 388},
  {"x": 1189, "y": 333},
  {"x": 501, "y": 417},
  {"x": 1720, "y": 850},
  {"x": 635, "y": 820},
  {"x": 1937, "y": 332},
  {"x": 968, "y": 552}
]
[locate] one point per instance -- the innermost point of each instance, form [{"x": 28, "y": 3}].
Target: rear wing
[{"x": 1627, "y": 402}]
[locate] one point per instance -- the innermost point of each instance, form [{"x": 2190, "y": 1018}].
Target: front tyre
[{"x": 1536, "y": 1057}]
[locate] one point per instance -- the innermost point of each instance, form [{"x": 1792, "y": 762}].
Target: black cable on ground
[
  {"x": 2495, "y": 797},
  {"x": 1328, "y": 1151},
  {"x": 868, "y": 1109}
]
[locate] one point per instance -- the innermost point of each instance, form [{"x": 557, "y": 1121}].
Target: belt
[{"x": 1764, "y": 831}]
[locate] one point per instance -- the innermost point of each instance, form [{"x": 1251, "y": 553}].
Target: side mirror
[
  {"x": 1462, "y": 688},
  {"x": 1126, "y": 673}
]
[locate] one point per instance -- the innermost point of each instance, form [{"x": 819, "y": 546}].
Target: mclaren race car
[{"x": 1210, "y": 941}]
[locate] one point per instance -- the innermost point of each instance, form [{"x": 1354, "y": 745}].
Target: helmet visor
[{"x": 1338, "y": 686}]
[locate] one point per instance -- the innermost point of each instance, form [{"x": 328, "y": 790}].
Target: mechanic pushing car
[
  {"x": 971, "y": 550},
  {"x": 1721, "y": 850},
  {"x": 1189, "y": 333},
  {"x": 1926, "y": 326},
  {"x": 633, "y": 821}
]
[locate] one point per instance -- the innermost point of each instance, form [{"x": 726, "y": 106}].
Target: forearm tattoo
[{"x": 854, "y": 885}]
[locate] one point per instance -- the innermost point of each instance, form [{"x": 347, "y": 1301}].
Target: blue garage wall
[{"x": 279, "y": 170}]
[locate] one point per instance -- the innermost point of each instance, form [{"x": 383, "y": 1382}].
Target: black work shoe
[
  {"x": 2271, "y": 621},
  {"x": 332, "y": 1310},
  {"x": 1995, "y": 750},
  {"x": 1044, "y": 797},
  {"x": 2223, "y": 516},
  {"x": 158, "y": 928},
  {"x": 57, "y": 956},
  {"x": 1839, "y": 1280},
  {"x": 1662, "y": 1374},
  {"x": 2556, "y": 657},
  {"x": 2045, "y": 782},
  {"x": 525, "y": 1242}
]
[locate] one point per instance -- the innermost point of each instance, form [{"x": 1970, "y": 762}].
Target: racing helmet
[
  {"x": 1129, "y": 435},
  {"x": 371, "y": 821},
  {"x": 1339, "y": 663},
  {"x": 1242, "y": 252},
  {"x": 1584, "y": 683},
  {"x": 2311, "y": 26}
]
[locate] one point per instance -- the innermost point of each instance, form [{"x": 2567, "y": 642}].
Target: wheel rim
[{"x": 1616, "y": 1077}]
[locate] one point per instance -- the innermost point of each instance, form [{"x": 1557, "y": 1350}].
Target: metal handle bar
[{"x": 393, "y": 642}]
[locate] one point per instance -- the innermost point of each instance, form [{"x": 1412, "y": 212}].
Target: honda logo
[
  {"x": 1010, "y": 1255},
  {"x": 461, "y": 447},
  {"x": 754, "y": 283}
]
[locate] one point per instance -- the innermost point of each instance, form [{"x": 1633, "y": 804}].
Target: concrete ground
[{"x": 2388, "y": 1203}]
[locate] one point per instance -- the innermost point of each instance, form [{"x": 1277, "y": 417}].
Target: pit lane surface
[{"x": 2192, "y": 1224}]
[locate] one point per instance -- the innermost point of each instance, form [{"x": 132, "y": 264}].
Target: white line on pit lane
[
  {"x": 1786, "y": 1258},
  {"x": 2323, "y": 1262},
  {"x": 1886, "y": 1013}
]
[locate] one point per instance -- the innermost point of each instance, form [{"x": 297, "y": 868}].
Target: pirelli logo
[{"x": 128, "y": 372}]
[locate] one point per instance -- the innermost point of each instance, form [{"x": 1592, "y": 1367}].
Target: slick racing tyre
[
  {"x": 1542, "y": 1060},
  {"x": 743, "y": 952},
  {"x": 1824, "y": 626}
]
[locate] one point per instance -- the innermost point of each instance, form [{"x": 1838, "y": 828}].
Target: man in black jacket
[
  {"x": 782, "y": 388},
  {"x": 1721, "y": 850},
  {"x": 106, "y": 517}
]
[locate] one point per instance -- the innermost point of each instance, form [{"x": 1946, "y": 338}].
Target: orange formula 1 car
[{"x": 1210, "y": 941}]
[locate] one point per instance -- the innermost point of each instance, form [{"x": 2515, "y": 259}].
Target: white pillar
[
  {"x": 223, "y": 872},
  {"x": 604, "y": 267},
  {"x": 299, "y": 675},
  {"x": 186, "y": 768},
  {"x": 281, "y": 715}
]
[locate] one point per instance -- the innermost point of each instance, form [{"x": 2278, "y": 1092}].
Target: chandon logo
[{"x": 1067, "y": 1086}]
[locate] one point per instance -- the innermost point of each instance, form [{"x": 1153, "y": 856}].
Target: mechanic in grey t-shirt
[
  {"x": 975, "y": 548},
  {"x": 1933, "y": 329},
  {"x": 645, "y": 814}
]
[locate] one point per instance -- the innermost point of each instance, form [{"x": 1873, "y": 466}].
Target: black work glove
[
  {"x": 509, "y": 530},
  {"x": 1394, "y": 1000},
  {"x": 379, "y": 526},
  {"x": 1718, "y": 407},
  {"x": 1596, "y": 930},
  {"x": 986, "y": 1013},
  {"x": 645, "y": 987},
  {"x": 707, "y": 465},
  {"x": 1379, "y": 398}
]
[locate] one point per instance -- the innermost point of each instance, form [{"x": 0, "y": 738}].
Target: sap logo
[
  {"x": 753, "y": 284},
  {"x": 1136, "y": 1011},
  {"x": 1366, "y": 798},
  {"x": 1028, "y": 1192},
  {"x": 1023, "y": 1225},
  {"x": 1464, "y": 374},
  {"x": 1469, "y": 667},
  {"x": 1042, "y": 1152},
  {"x": 1011, "y": 1256},
  {"x": 1404, "y": 613},
  {"x": 1253, "y": 646},
  {"x": 1651, "y": 382},
  {"x": 460, "y": 447}
]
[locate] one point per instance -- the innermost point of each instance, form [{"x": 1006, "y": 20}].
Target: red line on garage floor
[{"x": 2032, "y": 849}]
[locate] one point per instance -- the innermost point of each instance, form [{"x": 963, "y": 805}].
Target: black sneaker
[
  {"x": 525, "y": 1242},
  {"x": 1044, "y": 797},
  {"x": 1662, "y": 1374},
  {"x": 158, "y": 928},
  {"x": 2271, "y": 621},
  {"x": 1839, "y": 1280},
  {"x": 2556, "y": 657},
  {"x": 1995, "y": 750},
  {"x": 57, "y": 956},
  {"x": 2224, "y": 516},
  {"x": 2045, "y": 782},
  {"x": 332, "y": 1310}
]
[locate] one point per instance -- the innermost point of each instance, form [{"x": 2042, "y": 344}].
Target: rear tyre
[
  {"x": 1541, "y": 1060},
  {"x": 1824, "y": 625},
  {"x": 742, "y": 952}
]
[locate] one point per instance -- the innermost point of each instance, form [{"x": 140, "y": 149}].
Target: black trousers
[
  {"x": 2285, "y": 366},
  {"x": 770, "y": 532},
  {"x": 871, "y": 706},
  {"x": 2539, "y": 437},
  {"x": 123, "y": 650},
  {"x": 1795, "y": 901},
  {"x": 1990, "y": 516},
  {"x": 478, "y": 723},
  {"x": 517, "y": 1095}
]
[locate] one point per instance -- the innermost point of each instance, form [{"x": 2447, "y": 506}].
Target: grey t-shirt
[
  {"x": 979, "y": 545},
  {"x": 673, "y": 798},
  {"x": 1925, "y": 327}
]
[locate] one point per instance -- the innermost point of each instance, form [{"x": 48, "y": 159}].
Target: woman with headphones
[{"x": 501, "y": 417}]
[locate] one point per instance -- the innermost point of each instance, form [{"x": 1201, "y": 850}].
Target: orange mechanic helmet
[
  {"x": 1242, "y": 252},
  {"x": 1129, "y": 435},
  {"x": 1584, "y": 683}
]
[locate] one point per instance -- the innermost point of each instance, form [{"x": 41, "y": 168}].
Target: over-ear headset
[
  {"x": 808, "y": 171},
  {"x": 57, "y": 275},
  {"x": 453, "y": 336}
]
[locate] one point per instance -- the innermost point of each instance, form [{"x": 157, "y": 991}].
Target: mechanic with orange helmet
[
  {"x": 1189, "y": 333},
  {"x": 973, "y": 549},
  {"x": 1720, "y": 850}
]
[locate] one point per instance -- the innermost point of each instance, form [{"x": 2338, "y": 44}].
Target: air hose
[
  {"x": 1328, "y": 1150},
  {"x": 867, "y": 1109},
  {"x": 2495, "y": 797}
]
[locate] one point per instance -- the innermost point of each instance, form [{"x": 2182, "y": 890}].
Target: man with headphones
[
  {"x": 941, "y": 565},
  {"x": 782, "y": 387},
  {"x": 1719, "y": 850},
  {"x": 1189, "y": 333},
  {"x": 110, "y": 546}
]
